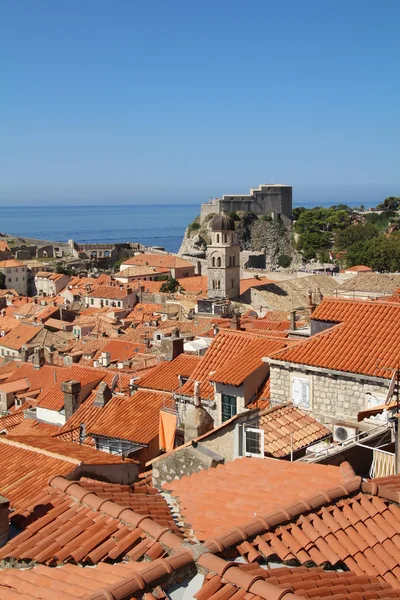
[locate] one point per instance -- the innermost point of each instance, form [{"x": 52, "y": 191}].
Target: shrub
[
  {"x": 284, "y": 261},
  {"x": 171, "y": 285},
  {"x": 233, "y": 215},
  {"x": 267, "y": 218}
]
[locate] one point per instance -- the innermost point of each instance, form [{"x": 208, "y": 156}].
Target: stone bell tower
[{"x": 223, "y": 259}]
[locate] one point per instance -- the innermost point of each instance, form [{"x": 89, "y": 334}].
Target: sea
[{"x": 152, "y": 225}]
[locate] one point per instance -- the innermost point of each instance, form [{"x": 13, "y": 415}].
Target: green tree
[
  {"x": 170, "y": 285},
  {"x": 390, "y": 203},
  {"x": 381, "y": 253},
  {"x": 284, "y": 260},
  {"x": 360, "y": 232}
]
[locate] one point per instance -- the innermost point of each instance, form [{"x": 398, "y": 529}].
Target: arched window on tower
[
  {"x": 217, "y": 238},
  {"x": 218, "y": 261},
  {"x": 218, "y": 284},
  {"x": 213, "y": 261},
  {"x": 225, "y": 238}
]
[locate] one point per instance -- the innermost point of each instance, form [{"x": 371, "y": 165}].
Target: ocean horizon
[{"x": 152, "y": 225}]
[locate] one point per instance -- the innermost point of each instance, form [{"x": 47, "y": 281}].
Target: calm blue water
[{"x": 150, "y": 225}]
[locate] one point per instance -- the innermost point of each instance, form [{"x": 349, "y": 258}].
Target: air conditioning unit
[{"x": 343, "y": 433}]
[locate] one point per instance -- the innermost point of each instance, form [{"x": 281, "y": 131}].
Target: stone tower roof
[{"x": 222, "y": 223}]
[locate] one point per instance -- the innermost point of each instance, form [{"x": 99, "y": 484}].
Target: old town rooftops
[
  {"x": 140, "y": 423},
  {"x": 165, "y": 376},
  {"x": 10, "y": 263},
  {"x": 158, "y": 260},
  {"x": 19, "y": 336},
  {"x": 215, "y": 500},
  {"x": 231, "y": 357},
  {"x": 366, "y": 342},
  {"x": 109, "y": 292}
]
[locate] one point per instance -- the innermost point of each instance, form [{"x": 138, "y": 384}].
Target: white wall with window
[{"x": 301, "y": 392}]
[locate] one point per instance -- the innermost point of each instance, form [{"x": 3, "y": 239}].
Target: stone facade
[
  {"x": 273, "y": 199},
  {"x": 333, "y": 396},
  {"x": 223, "y": 265}
]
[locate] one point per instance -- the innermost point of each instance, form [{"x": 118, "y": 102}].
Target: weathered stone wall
[
  {"x": 186, "y": 461},
  {"x": 332, "y": 397}
]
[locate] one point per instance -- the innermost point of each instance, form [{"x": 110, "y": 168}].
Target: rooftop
[
  {"x": 215, "y": 500},
  {"x": 165, "y": 375},
  {"x": 109, "y": 292},
  {"x": 364, "y": 342},
  {"x": 158, "y": 260}
]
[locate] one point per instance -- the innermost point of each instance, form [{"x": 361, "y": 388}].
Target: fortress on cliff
[{"x": 274, "y": 200}]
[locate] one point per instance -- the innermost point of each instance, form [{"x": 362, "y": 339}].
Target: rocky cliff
[{"x": 253, "y": 234}]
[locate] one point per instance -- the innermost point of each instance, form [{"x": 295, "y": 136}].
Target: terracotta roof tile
[
  {"x": 54, "y": 398},
  {"x": 251, "y": 282},
  {"x": 158, "y": 260},
  {"x": 363, "y": 532},
  {"x": 140, "y": 421},
  {"x": 78, "y": 452},
  {"x": 279, "y": 423},
  {"x": 5, "y": 264},
  {"x": 109, "y": 292},
  {"x": 57, "y": 526},
  {"x": 231, "y": 357},
  {"x": 121, "y": 350},
  {"x": 215, "y": 500},
  {"x": 366, "y": 337},
  {"x": 165, "y": 375},
  {"x": 19, "y": 336}
]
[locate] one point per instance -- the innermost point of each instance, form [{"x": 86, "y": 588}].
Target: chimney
[
  {"x": 25, "y": 353},
  {"x": 4, "y": 520},
  {"x": 172, "y": 346},
  {"x": 215, "y": 329},
  {"x": 234, "y": 323},
  {"x": 82, "y": 433},
  {"x": 311, "y": 304},
  {"x": 196, "y": 393},
  {"x": 106, "y": 359},
  {"x": 103, "y": 395},
  {"x": 71, "y": 390},
  {"x": 38, "y": 358},
  {"x": 292, "y": 317},
  {"x": 197, "y": 422}
]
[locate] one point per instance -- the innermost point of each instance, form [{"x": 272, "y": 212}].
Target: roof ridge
[
  {"x": 263, "y": 523},
  {"x": 75, "y": 461},
  {"x": 159, "y": 533}
]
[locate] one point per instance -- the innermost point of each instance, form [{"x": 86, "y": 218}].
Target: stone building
[
  {"x": 15, "y": 276},
  {"x": 274, "y": 200},
  {"x": 223, "y": 259},
  {"x": 345, "y": 367}
]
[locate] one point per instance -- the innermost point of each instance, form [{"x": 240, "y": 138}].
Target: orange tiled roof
[
  {"x": 81, "y": 453},
  {"x": 231, "y": 357},
  {"x": 26, "y": 470},
  {"x": 42, "y": 378},
  {"x": 364, "y": 342},
  {"x": 358, "y": 269},
  {"x": 31, "y": 427},
  {"x": 54, "y": 398},
  {"x": 197, "y": 284},
  {"x": 19, "y": 336},
  {"x": 215, "y": 500},
  {"x": 165, "y": 375},
  {"x": 8, "y": 264},
  {"x": 140, "y": 421},
  {"x": 63, "y": 524},
  {"x": 8, "y": 322},
  {"x": 299, "y": 583},
  {"x": 360, "y": 531},
  {"x": 246, "y": 284},
  {"x": 158, "y": 260},
  {"x": 121, "y": 350},
  {"x": 109, "y": 292},
  {"x": 4, "y": 247},
  {"x": 288, "y": 428}
]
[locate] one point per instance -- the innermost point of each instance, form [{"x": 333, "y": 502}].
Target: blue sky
[{"x": 177, "y": 101}]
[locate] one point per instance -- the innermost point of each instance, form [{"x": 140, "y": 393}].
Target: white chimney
[
  {"x": 196, "y": 393},
  {"x": 106, "y": 359}
]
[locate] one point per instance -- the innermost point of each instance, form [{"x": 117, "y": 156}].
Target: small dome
[{"x": 222, "y": 223}]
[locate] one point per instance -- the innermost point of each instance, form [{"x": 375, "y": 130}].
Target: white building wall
[{"x": 16, "y": 278}]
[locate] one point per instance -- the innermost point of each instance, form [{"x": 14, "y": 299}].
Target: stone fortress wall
[{"x": 268, "y": 199}]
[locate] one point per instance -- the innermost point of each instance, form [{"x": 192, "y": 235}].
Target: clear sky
[{"x": 177, "y": 101}]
